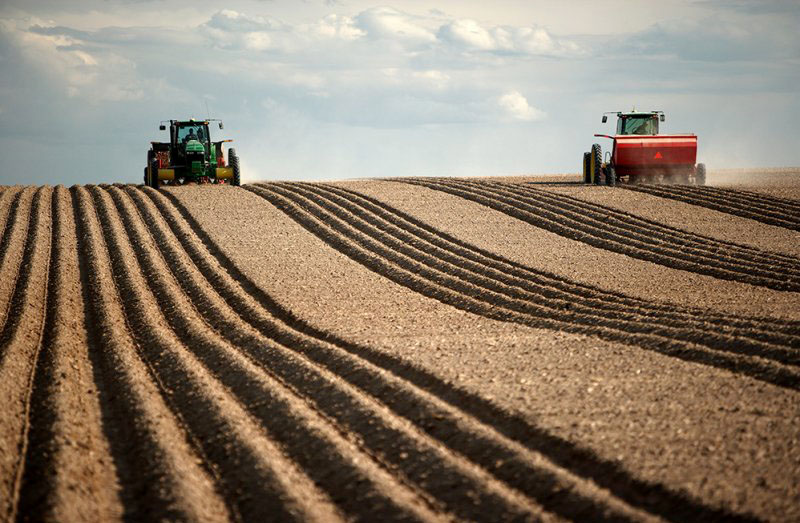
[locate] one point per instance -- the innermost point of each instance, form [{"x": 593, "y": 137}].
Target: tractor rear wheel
[
  {"x": 586, "y": 174},
  {"x": 596, "y": 164},
  {"x": 233, "y": 162},
  {"x": 700, "y": 174}
]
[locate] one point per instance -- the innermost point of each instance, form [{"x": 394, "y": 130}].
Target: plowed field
[{"x": 428, "y": 349}]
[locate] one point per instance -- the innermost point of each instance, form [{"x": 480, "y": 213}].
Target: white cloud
[
  {"x": 338, "y": 26},
  {"x": 471, "y": 36},
  {"x": 389, "y": 23},
  {"x": 435, "y": 78},
  {"x": 228, "y": 29},
  {"x": 516, "y": 106},
  {"x": 74, "y": 68}
]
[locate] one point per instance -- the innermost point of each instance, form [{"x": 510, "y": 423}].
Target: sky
[{"x": 335, "y": 89}]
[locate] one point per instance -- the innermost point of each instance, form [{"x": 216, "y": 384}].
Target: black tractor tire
[
  {"x": 586, "y": 175},
  {"x": 233, "y": 162},
  {"x": 611, "y": 176},
  {"x": 700, "y": 174},
  {"x": 156, "y": 182},
  {"x": 596, "y": 164},
  {"x": 151, "y": 171}
]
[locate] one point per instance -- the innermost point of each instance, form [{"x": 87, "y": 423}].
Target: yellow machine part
[
  {"x": 224, "y": 172},
  {"x": 166, "y": 174}
]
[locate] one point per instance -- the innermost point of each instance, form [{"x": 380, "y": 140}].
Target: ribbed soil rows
[
  {"x": 422, "y": 463},
  {"x": 21, "y": 338},
  {"x": 518, "y": 455},
  {"x": 161, "y": 474},
  {"x": 609, "y": 229},
  {"x": 413, "y": 230},
  {"x": 414, "y": 261},
  {"x": 760, "y": 207},
  {"x": 208, "y": 401},
  {"x": 68, "y": 469},
  {"x": 171, "y": 384}
]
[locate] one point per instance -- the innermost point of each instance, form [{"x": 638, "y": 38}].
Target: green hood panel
[{"x": 193, "y": 146}]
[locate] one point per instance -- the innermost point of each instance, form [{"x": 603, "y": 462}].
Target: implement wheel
[
  {"x": 151, "y": 173},
  {"x": 611, "y": 175},
  {"x": 233, "y": 162},
  {"x": 586, "y": 175},
  {"x": 596, "y": 164},
  {"x": 700, "y": 174}
]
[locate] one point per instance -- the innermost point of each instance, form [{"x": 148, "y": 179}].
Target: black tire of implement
[
  {"x": 151, "y": 171},
  {"x": 611, "y": 176},
  {"x": 596, "y": 161},
  {"x": 155, "y": 182},
  {"x": 586, "y": 175},
  {"x": 233, "y": 162},
  {"x": 147, "y": 167},
  {"x": 700, "y": 174}
]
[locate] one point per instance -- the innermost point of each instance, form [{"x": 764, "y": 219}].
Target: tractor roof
[
  {"x": 190, "y": 121},
  {"x": 640, "y": 114}
]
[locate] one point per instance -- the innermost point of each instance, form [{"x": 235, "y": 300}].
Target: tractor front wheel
[
  {"x": 233, "y": 163},
  {"x": 596, "y": 164},
  {"x": 700, "y": 174}
]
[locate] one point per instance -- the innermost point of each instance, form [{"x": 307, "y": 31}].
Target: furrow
[
  {"x": 10, "y": 209},
  {"x": 622, "y": 228},
  {"x": 681, "y": 239},
  {"x": 69, "y": 473},
  {"x": 554, "y": 222},
  {"x": 535, "y": 458},
  {"x": 20, "y": 342},
  {"x": 160, "y": 476},
  {"x": 644, "y": 233},
  {"x": 746, "y": 208},
  {"x": 761, "y": 328},
  {"x": 405, "y": 450},
  {"x": 576, "y": 311},
  {"x": 788, "y": 204},
  {"x": 438, "y": 283},
  {"x": 9, "y": 201},
  {"x": 12, "y": 252},
  {"x": 776, "y": 208},
  {"x": 352, "y": 480}
]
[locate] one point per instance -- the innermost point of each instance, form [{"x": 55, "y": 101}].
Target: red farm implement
[{"x": 639, "y": 154}]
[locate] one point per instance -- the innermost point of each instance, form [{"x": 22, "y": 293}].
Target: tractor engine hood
[{"x": 193, "y": 146}]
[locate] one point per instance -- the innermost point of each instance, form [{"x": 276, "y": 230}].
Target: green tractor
[{"x": 190, "y": 156}]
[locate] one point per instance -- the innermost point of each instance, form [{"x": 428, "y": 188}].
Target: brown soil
[{"x": 417, "y": 349}]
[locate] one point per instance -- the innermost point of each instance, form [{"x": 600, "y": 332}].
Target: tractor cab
[
  {"x": 191, "y": 144},
  {"x": 187, "y": 131},
  {"x": 637, "y": 123}
]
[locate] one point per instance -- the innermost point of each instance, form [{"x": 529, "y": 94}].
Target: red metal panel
[{"x": 635, "y": 154}]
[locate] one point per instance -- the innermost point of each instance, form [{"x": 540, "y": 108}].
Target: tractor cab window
[
  {"x": 192, "y": 132},
  {"x": 637, "y": 125}
]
